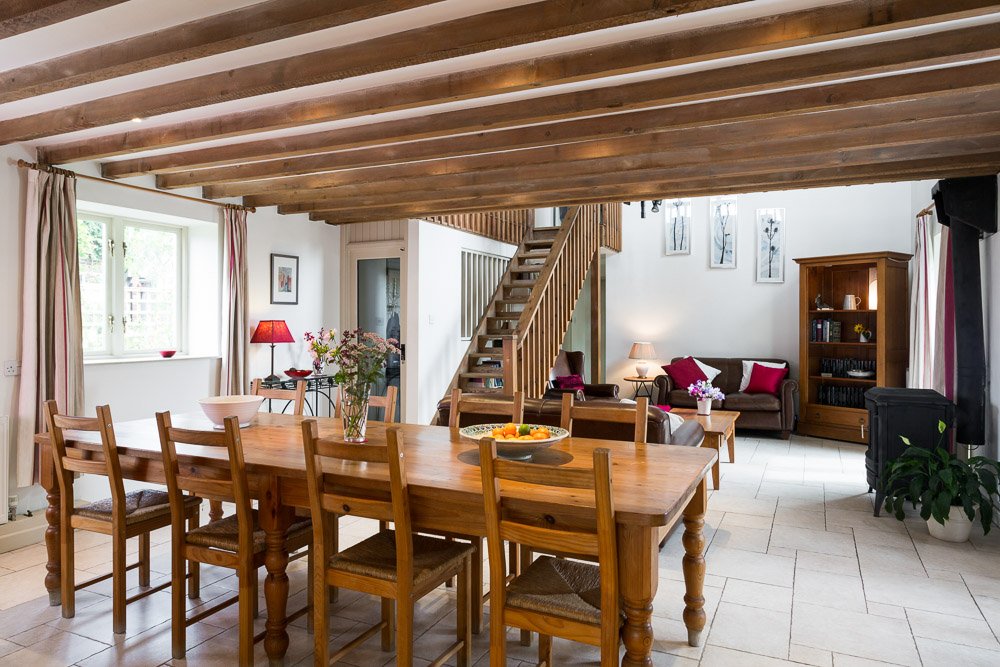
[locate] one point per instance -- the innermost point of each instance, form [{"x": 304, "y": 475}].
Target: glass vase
[
  {"x": 354, "y": 413},
  {"x": 317, "y": 367}
]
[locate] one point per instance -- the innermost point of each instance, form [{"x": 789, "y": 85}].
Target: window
[
  {"x": 481, "y": 273},
  {"x": 131, "y": 285}
]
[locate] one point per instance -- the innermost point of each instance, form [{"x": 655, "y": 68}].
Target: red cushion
[
  {"x": 684, "y": 372},
  {"x": 574, "y": 382},
  {"x": 764, "y": 380},
  {"x": 665, "y": 408}
]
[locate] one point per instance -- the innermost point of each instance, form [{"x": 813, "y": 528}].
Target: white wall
[
  {"x": 684, "y": 307},
  {"x": 434, "y": 322}
]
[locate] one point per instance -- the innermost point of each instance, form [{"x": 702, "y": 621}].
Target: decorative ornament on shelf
[
  {"x": 705, "y": 393},
  {"x": 642, "y": 351},
  {"x": 864, "y": 333},
  {"x": 271, "y": 332},
  {"x": 361, "y": 358},
  {"x": 321, "y": 347}
]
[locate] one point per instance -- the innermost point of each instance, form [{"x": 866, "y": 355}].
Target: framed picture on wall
[
  {"x": 284, "y": 279},
  {"x": 722, "y": 221},
  {"x": 770, "y": 245},
  {"x": 678, "y": 229}
]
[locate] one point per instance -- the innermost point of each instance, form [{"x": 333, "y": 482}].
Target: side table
[{"x": 641, "y": 386}]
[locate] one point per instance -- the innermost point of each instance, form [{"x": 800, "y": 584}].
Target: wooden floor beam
[{"x": 948, "y": 47}]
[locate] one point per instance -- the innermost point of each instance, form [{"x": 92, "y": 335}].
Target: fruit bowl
[
  {"x": 513, "y": 447},
  {"x": 298, "y": 373},
  {"x": 217, "y": 408},
  {"x": 166, "y": 354}
]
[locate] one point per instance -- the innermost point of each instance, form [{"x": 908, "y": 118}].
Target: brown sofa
[
  {"x": 570, "y": 362},
  {"x": 757, "y": 411},
  {"x": 548, "y": 412}
]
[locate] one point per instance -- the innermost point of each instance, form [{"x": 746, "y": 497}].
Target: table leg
[
  {"x": 694, "y": 564},
  {"x": 731, "y": 441},
  {"x": 274, "y": 520},
  {"x": 714, "y": 441},
  {"x": 53, "y": 568},
  {"x": 638, "y": 575}
]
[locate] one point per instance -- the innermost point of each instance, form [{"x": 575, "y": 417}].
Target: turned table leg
[
  {"x": 214, "y": 510},
  {"x": 53, "y": 568},
  {"x": 274, "y": 520},
  {"x": 638, "y": 575},
  {"x": 694, "y": 564}
]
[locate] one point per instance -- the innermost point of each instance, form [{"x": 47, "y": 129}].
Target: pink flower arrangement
[
  {"x": 703, "y": 390},
  {"x": 321, "y": 345}
]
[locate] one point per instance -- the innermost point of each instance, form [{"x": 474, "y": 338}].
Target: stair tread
[
  {"x": 534, "y": 254},
  {"x": 482, "y": 374}
]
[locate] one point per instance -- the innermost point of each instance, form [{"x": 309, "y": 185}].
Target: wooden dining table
[{"x": 655, "y": 486}]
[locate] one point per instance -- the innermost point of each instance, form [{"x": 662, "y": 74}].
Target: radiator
[{"x": 4, "y": 466}]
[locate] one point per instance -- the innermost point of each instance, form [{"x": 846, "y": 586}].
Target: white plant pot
[
  {"x": 704, "y": 406},
  {"x": 957, "y": 528}
]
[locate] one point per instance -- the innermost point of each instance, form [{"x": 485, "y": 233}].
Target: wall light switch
[{"x": 11, "y": 368}]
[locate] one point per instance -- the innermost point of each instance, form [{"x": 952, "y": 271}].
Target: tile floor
[{"x": 799, "y": 572}]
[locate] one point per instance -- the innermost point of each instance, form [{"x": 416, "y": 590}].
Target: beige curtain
[
  {"x": 236, "y": 328},
  {"x": 51, "y": 323},
  {"x": 923, "y": 303}
]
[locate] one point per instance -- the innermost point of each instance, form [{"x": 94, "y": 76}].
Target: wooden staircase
[{"x": 522, "y": 330}]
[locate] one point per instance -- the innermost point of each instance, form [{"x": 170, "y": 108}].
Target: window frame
[{"x": 115, "y": 284}]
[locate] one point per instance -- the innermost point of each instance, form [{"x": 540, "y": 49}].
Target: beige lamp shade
[{"x": 642, "y": 351}]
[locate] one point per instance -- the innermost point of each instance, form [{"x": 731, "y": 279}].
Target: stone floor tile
[
  {"x": 840, "y": 591},
  {"x": 801, "y": 518},
  {"x": 50, "y": 648},
  {"x": 718, "y": 656},
  {"x": 807, "y": 539},
  {"x": 149, "y": 648},
  {"x": 817, "y": 562},
  {"x": 904, "y": 590},
  {"x": 935, "y": 652},
  {"x": 842, "y": 660},
  {"x": 753, "y": 594},
  {"x": 853, "y": 633},
  {"x": 756, "y": 506},
  {"x": 741, "y": 537},
  {"x": 859, "y": 519},
  {"x": 751, "y": 629},
  {"x": 750, "y": 566},
  {"x": 952, "y": 629},
  {"x": 810, "y": 656},
  {"x": 887, "y": 610}
]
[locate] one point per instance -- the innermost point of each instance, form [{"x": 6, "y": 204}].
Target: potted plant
[
  {"x": 320, "y": 347},
  {"x": 948, "y": 490},
  {"x": 864, "y": 333},
  {"x": 705, "y": 393},
  {"x": 361, "y": 356}
]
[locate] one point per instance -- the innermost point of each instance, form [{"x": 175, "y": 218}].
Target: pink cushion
[
  {"x": 574, "y": 382},
  {"x": 684, "y": 372},
  {"x": 665, "y": 408},
  {"x": 764, "y": 380}
]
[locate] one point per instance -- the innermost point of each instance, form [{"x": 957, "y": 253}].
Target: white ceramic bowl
[{"x": 217, "y": 408}]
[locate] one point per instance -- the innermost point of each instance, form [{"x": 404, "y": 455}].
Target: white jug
[{"x": 852, "y": 302}]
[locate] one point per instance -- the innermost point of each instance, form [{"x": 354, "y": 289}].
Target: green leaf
[
  {"x": 906, "y": 441},
  {"x": 941, "y": 426}
]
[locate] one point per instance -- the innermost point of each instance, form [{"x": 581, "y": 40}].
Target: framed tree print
[
  {"x": 284, "y": 279},
  {"x": 678, "y": 227},
  {"x": 770, "y": 245},
  {"x": 722, "y": 222}
]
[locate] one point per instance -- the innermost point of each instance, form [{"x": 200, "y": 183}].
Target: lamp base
[
  {"x": 641, "y": 369},
  {"x": 272, "y": 378}
]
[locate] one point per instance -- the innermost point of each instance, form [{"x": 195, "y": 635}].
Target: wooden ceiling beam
[
  {"x": 985, "y": 139},
  {"x": 502, "y": 28},
  {"x": 241, "y": 28},
  {"x": 577, "y": 136},
  {"x": 17, "y": 16},
  {"x": 915, "y": 170},
  {"x": 855, "y": 128},
  {"x": 946, "y": 47}
]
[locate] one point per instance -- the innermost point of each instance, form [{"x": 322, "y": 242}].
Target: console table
[{"x": 319, "y": 391}]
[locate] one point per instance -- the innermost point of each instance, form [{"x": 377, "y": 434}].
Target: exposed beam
[
  {"x": 945, "y": 48},
  {"x": 537, "y": 21},
  {"x": 914, "y": 170},
  {"x": 773, "y": 137},
  {"x": 657, "y": 124},
  {"x": 241, "y": 28},
  {"x": 17, "y": 16},
  {"x": 984, "y": 139}
]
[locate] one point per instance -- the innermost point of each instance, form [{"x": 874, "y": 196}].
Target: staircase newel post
[{"x": 510, "y": 363}]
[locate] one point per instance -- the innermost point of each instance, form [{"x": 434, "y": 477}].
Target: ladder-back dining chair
[
  {"x": 294, "y": 397},
  {"x": 553, "y": 596},
  {"x": 387, "y": 403},
  {"x": 235, "y": 542},
  {"x": 122, "y": 516},
  {"x": 619, "y": 413},
  {"x": 396, "y": 565}
]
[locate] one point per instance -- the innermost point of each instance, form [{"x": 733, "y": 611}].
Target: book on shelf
[{"x": 825, "y": 331}]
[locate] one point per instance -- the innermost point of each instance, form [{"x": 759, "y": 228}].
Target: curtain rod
[
  {"x": 72, "y": 174},
  {"x": 926, "y": 211}
]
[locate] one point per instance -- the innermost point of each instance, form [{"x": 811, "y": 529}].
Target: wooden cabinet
[{"x": 832, "y": 401}]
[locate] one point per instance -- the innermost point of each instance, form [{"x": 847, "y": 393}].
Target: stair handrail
[{"x": 541, "y": 284}]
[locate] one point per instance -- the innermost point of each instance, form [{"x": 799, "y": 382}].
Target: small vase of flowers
[
  {"x": 361, "y": 357},
  {"x": 320, "y": 347},
  {"x": 864, "y": 333},
  {"x": 705, "y": 393}
]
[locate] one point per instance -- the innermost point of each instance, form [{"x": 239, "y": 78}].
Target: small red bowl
[
  {"x": 166, "y": 354},
  {"x": 298, "y": 373}
]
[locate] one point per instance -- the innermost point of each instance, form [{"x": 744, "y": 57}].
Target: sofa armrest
[
  {"x": 787, "y": 393},
  {"x": 662, "y": 386},
  {"x": 601, "y": 390},
  {"x": 688, "y": 434},
  {"x": 554, "y": 393}
]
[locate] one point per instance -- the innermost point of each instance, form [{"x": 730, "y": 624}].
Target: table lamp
[
  {"x": 272, "y": 331},
  {"x": 642, "y": 351}
]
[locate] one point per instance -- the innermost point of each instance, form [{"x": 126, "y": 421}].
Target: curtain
[
  {"x": 944, "y": 340},
  {"x": 51, "y": 322},
  {"x": 923, "y": 304},
  {"x": 235, "y": 364}
]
